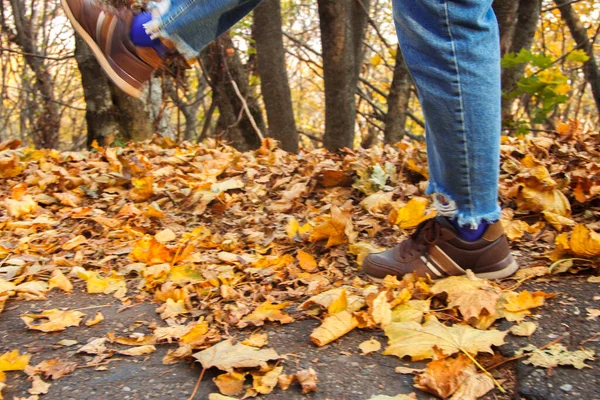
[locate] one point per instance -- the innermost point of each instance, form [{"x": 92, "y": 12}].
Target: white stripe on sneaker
[
  {"x": 99, "y": 24},
  {"x": 431, "y": 267}
]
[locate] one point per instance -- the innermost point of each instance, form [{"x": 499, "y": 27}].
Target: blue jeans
[{"x": 452, "y": 50}]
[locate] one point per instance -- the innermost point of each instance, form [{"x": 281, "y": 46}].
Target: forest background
[{"x": 296, "y": 83}]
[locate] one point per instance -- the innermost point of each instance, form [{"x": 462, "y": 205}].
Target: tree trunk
[
  {"x": 397, "y": 100},
  {"x": 579, "y": 33},
  {"x": 100, "y": 113},
  {"x": 342, "y": 26},
  {"x": 273, "y": 74},
  {"x": 506, "y": 13},
  {"x": 528, "y": 17},
  {"x": 224, "y": 67},
  {"x": 47, "y": 122}
]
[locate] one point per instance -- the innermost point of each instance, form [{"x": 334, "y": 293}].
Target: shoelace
[{"x": 427, "y": 233}]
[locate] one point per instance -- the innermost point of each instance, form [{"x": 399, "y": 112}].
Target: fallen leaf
[
  {"x": 381, "y": 310},
  {"x": 444, "y": 377},
  {"x": 308, "y": 380},
  {"x": 267, "y": 311},
  {"x": 98, "y": 317},
  {"x": 60, "y": 281},
  {"x": 73, "y": 243},
  {"x": 38, "y": 386},
  {"x": 53, "y": 320},
  {"x": 165, "y": 236},
  {"x": 13, "y": 361},
  {"x": 21, "y": 208},
  {"x": 516, "y": 306},
  {"x": 557, "y": 221},
  {"x": 55, "y": 369},
  {"x": 226, "y": 356},
  {"x": 142, "y": 188},
  {"x": 411, "y": 396},
  {"x": 257, "y": 340},
  {"x": 337, "y": 228},
  {"x": 584, "y": 242},
  {"x": 230, "y": 383},
  {"x": 362, "y": 249},
  {"x": 326, "y": 298},
  {"x": 285, "y": 381},
  {"x": 333, "y": 327},
  {"x": 370, "y": 346},
  {"x": 593, "y": 313},
  {"x": 469, "y": 294},
  {"x": 264, "y": 383},
  {"x": 524, "y": 329},
  {"x": 555, "y": 355},
  {"x": 338, "y": 305},
  {"x": 474, "y": 387},
  {"x": 544, "y": 200},
  {"x": 410, "y": 371},
  {"x": 306, "y": 261},
  {"x": 138, "y": 351},
  {"x": 412, "y": 214},
  {"x": 217, "y": 396},
  {"x": 96, "y": 346},
  {"x": 418, "y": 341}
]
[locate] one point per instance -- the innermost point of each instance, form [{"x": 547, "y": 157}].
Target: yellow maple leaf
[
  {"x": 226, "y": 356},
  {"x": 53, "y": 320},
  {"x": 516, "y": 306},
  {"x": 195, "y": 334},
  {"x": 333, "y": 327},
  {"x": 557, "y": 221},
  {"x": 336, "y": 228},
  {"x": 370, "y": 346},
  {"x": 257, "y": 340},
  {"x": 295, "y": 230},
  {"x": 11, "y": 167},
  {"x": 98, "y": 317},
  {"x": 338, "y": 305},
  {"x": 422, "y": 341},
  {"x": 265, "y": 382},
  {"x": 362, "y": 249},
  {"x": 231, "y": 383},
  {"x": 150, "y": 251},
  {"x": 267, "y": 311},
  {"x": 412, "y": 214},
  {"x": 536, "y": 200},
  {"x": 21, "y": 208},
  {"x": 584, "y": 242},
  {"x": 13, "y": 361}
]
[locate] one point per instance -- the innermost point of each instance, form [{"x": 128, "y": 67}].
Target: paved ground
[{"x": 343, "y": 373}]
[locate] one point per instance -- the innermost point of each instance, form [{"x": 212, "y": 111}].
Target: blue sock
[
  {"x": 140, "y": 38},
  {"x": 466, "y": 232}
]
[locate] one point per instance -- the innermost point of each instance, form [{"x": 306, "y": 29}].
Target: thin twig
[{"x": 197, "y": 384}]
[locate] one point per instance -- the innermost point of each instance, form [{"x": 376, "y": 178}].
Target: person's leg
[
  {"x": 452, "y": 50},
  {"x": 193, "y": 24},
  {"x": 128, "y": 47}
]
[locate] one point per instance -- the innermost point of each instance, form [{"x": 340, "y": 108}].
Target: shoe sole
[
  {"x": 505, "y": 272},
  {"x": 99, "y": 54}
]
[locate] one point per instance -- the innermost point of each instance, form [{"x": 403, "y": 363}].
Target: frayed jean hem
[{"x": 447, "y": 207}]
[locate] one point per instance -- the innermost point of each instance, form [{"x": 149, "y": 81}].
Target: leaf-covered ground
[{"x": 223, "y": 242}]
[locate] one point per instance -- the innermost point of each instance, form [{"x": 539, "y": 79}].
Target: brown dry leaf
[
  {"x": 226, "y": 356},
  {"x": 38, "y": 386},
  {"x": 308, "y": 380},
  {"x": 174, "y": 356},
  {"x": 257, "y": 340},
  {"x": 267, "y": 311},
  {"x": 73, "y": 243},
  {"x": 333, "y": 327},
  {"x": 53, "y": 320},
  {"x": 470, "y": 294},
  {"x": 98, "y": 317},
  {"x": 593, "y": 313},
  {"x": 411, "y": 396},
  {"x": 412, "y": 214},
  {"x": 69, "y": 199},
  {"x": 138, "y": 351},
  {"x": 557, "y": 221},
  {"x": 231, "y": 383},
  {"x": 306, "y": 261},
  {"x": 172, "y": 309},
  {"x": 13, "y": 361},
  {"x": 408, "y": 371},
  {"x": 421, "y": 341},
  {"x": 377, "y": 202},
  {"x": 474, "y": 387},
  {"x": 264, "y": 383},
  {"x": 55, "y": 369},
  {"x": 370, "y": 346},
  {"x": 11, "y": 167},
  {"x": 516, "y": 306},
  {"x": 524, "y": 329},
  {"x": 96, "y": 346},
  {"x": 555, "y": 355},
  {"x": 336, "y": 228},
  {"x": 60, "y": 281},
  {"x": 166, "y": 235},
  {"x": 547, "y": 200},
  {"x": 285, "y": 381},
  {"x": 22, "y": 207},
  {"x": 325, "y": 299},
  {"x": 217, "y": 396},
  {"x": 32, "y": 290},
  {"x": 443, "y": 377}
]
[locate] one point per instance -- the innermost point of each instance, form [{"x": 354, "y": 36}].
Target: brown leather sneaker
[
  {"x": 106, "y": 31},
  {"x": 435, "y": 249}
]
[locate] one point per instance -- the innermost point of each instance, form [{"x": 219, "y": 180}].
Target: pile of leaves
[{"x": 222, "y": 241}]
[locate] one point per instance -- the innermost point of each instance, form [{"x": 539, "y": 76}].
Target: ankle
[
  {"x": 141, "y": 38},
  {"x": 468, "y": 232}
]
